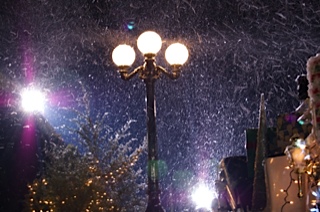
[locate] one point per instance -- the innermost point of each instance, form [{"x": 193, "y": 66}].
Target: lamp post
[{"x": 149, "y": 43}]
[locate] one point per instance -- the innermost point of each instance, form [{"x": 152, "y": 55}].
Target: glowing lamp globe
[
  {"x": 177, "y": 54},
  {"x": 32, "y": 100},
  {"x": 149, "y": 42},
  {"x": 123, "y": 55}
]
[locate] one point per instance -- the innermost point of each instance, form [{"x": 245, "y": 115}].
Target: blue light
[{"x": 130, "y": 25}]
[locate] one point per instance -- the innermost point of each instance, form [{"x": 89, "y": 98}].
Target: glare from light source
[
  {"x": 32, "y": 100},
  {"x": 149, "y": 42},
  {"x": 123, "y": 55},
  {"x": 177, "y": 54},
  {"x": 203, "y": 197}
]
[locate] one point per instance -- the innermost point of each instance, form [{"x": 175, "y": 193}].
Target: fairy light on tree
[
  {"x": 100, "y": 177},
  {"x": 86, "y": 188}
]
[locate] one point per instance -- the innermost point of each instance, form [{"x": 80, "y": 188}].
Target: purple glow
[
  {"x": 25, "y": 158},
  {"x": 26, "y": 151},
  {"x": 28, "y": 133},
  {"x": 61, "y": 98},
  {"x": 8, "y": 100},
  {"x": 28, "y": 67}
]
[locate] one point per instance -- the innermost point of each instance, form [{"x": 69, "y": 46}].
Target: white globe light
[
  {"x": 177, "y": 54},
  {"x": 123, "y": 55},
  {"x": 149, "y": 43},
  {"x": 32, "y": 100}
]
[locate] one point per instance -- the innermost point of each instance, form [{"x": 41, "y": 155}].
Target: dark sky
[{"x": 239, "y": 49}]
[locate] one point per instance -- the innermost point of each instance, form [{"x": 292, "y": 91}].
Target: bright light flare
[
  {"x": 32, "y": 100},
  {"x": 203, "y": 197}
]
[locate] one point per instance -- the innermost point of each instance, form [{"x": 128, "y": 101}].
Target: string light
[
  {"x": 286, "y": 191},
  {"x": 55, "y": 202},
  {"x": 287, "y": 167}
]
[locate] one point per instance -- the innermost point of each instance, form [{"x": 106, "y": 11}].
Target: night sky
[{"x": 238, "y": 50}]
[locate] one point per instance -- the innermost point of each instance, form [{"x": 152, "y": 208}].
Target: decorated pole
[
  {"x": 313, "y": 75},
  {"x": 259, "y": 195}
]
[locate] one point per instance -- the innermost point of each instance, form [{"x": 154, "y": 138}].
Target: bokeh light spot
[{"x": 131, "y": 25}]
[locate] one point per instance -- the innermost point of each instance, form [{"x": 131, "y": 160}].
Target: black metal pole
[{"x": 154, "y": 204}]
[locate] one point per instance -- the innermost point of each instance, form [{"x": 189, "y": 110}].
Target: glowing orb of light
[
  {"x": 203, "y": 197},
  {"x": 123, "y": 55},
  {"x": 32, "y": 100},
  {"x": 131, "y": 25},
  {"x": 149, "y": 42},
  {"x": 177, "y": 54}
]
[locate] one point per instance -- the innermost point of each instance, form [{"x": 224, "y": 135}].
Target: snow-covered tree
[{"x": 100, "y": 173}]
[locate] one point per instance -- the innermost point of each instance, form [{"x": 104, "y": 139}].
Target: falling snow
[{"x": 238, "y": 50}]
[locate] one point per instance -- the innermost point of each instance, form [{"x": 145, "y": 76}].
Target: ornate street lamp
[{"x": 149, "y": 43}]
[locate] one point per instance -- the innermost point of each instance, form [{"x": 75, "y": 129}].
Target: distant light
[
  {"x": 131, "y": 25},
  {"x": 316, "y": 193},
  {"x": 32, "y": 100},
  {"x": 203, "y": 197}
]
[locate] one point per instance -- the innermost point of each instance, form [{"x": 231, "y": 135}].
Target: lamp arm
[
  {"x": 172, "y": 75},
  {"x": 127, "y": 76}
]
